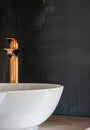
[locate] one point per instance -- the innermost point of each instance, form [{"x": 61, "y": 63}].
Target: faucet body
[{"x": 12, "y": 52}]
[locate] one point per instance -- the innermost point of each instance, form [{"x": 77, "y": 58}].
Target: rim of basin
[{"x": 9, "y": 87}]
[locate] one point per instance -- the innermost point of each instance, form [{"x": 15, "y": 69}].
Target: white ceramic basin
[{"x": 26, "y": 105}]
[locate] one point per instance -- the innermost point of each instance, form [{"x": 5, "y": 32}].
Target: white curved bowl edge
[{"x": 26, "y": 105}]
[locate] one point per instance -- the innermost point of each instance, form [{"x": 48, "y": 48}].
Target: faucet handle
[
  {"x": 11, "y": 40},
  {"x": 13, "y": 43}
]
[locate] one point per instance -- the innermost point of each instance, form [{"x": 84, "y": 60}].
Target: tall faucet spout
[{"x": 13, "y": 55}]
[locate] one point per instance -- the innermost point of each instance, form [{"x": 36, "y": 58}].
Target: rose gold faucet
[{"x": 12, "y": 52}]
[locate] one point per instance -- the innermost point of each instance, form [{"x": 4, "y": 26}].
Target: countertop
[{"x": 65, "y": 123}]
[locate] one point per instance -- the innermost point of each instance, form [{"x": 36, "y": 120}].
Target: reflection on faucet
[{"x": 13, "y": 55}]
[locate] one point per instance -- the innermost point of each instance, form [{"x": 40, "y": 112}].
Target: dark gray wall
[{"x": 54, "y": 44}]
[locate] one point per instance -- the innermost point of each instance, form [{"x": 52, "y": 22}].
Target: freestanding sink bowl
[{"x": 23, "y": 106}]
